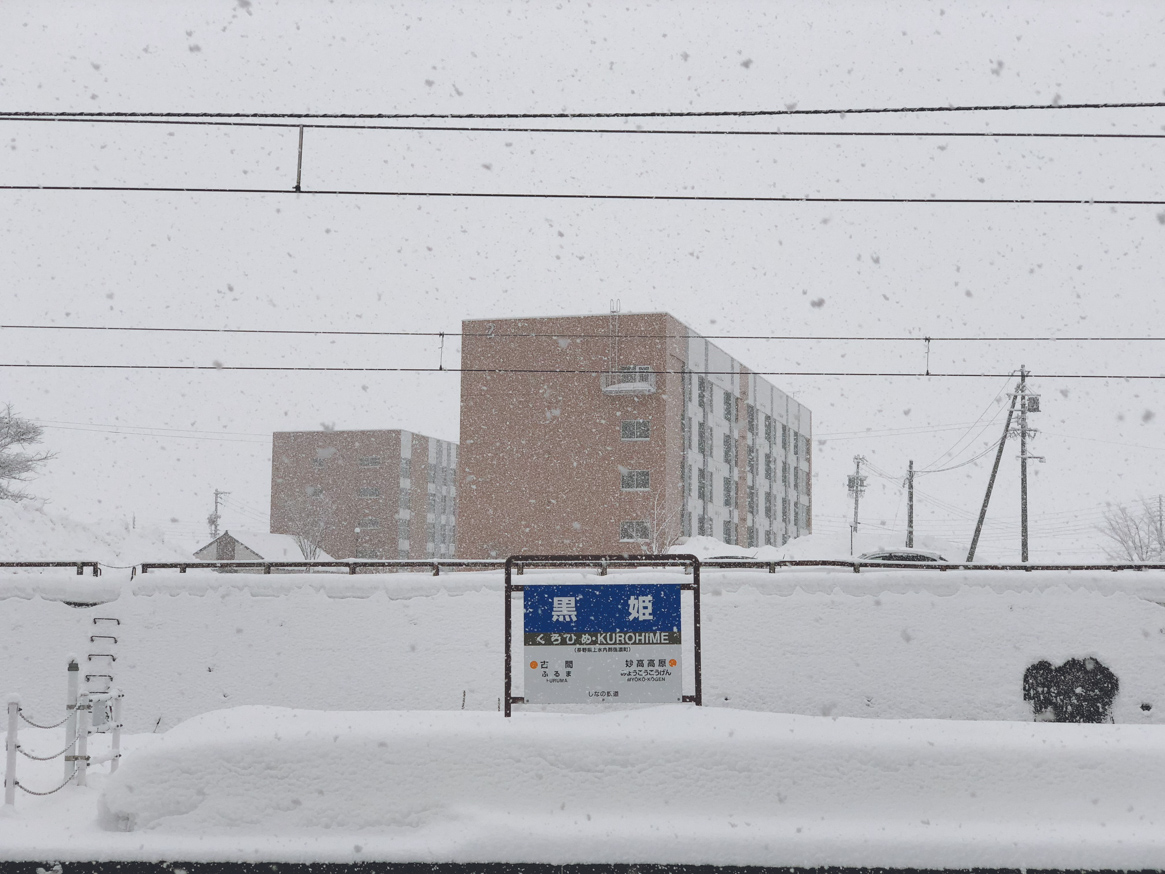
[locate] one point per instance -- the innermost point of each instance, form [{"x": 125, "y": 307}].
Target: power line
[
  {"x": 688, "y": 132},
  {"x": 887, "y": 338},
  {"x": 663, "y": 198},
  {"x": 737, "y": 113},
  {"x": 949, "y": 454},
  {"x": 518, "y": 370}
]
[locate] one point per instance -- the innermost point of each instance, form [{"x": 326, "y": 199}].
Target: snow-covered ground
[
  {"x": 872, "y": 718},
  {"x": 30, "y": 531},
  {"x": 663, "y": 784}
]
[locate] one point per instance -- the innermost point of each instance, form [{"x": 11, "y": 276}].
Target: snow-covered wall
[{"x": 886, "y": 644}]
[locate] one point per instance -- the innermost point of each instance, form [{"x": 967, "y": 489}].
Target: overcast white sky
[{"x": 408, "y": 263}]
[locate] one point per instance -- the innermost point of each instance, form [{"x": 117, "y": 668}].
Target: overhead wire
[
  {"x": 978, "y": 419},
  {"x": 918, "y": 374},
  {"x": 523, "y": 129},
  {"x": 530, "y": 195},
  {"x": 723, "y": 113},
  {"x": 497, "y": 335}
]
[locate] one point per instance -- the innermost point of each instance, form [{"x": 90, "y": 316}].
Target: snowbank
[
  {"x": 886, "y": 644},
  {"x": 30, "y": 533},
  {"x": 668, "y": 784}
]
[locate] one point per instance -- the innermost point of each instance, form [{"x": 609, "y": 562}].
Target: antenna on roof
[{"x": 613, "y": 362}]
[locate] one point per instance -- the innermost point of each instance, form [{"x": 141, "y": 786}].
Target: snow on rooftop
[{"x": 272, "y": 547}]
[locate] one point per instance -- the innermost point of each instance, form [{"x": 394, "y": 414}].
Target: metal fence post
[
  {"x": 10, "y": 771},
  {"x": 115, "y": 740},
  {"x": 82, "y": 755},
  {"x": 71, "y": 715}
]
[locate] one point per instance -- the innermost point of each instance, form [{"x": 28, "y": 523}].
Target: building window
[
  {"x": 728, "y": 538},
  {"x": 363, "y": 551},
  {"x": 368, "y": 492},
  {"x": 701, "y": 391},
  {"x": 751, "y": 538},
  {"x": 635, "y": 429},
  {"x": 431, "y": 533},
  {"x": 785, "y": 510},
  {"x": 768, "y": 466},
  {"x": 402, "y": 529},
  {"x": 752, "y": 454},
  {"x": 370, "y": 461},
  {"x": 404, "y": 552},
  {"x": 768, "y": 538},
  {"x": 313, "y": 491},
  {"x": 784, "y": 473},
  {"x": 729, "y": 450},
  {"x": 728, "y": 490},
  {"x": 768, "y": 505},
  {"x": 784, "y": 436},
  {"x": 701, "y": 488},
  {"x": 404, "y": 499},
  {"x": 751, "y": 419},
  {"x": 798, "y": 479},
  {"x": 729, "y": 406},
  {"x": 317, "y": 463},
  {"x": 768, "y": 428},
  {"x": 631, "y": 531},
  {"x": 796, "y": 443},
  {"x": 752, "y": 501},
  {"x": 433, "y": 473},
  {"x": 635, "y": 480},
  {"x": 406, "y": 468},
  {"x": 701, "y": 439},
  {"x": 369, "y": 523}
]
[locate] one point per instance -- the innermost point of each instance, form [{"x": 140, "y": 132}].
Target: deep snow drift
[
  {"x": 666, "y": 784},
  {"x": 901, "y": 646}
]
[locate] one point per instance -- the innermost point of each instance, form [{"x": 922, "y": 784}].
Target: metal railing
[
  {"x": 353, "y": 566},
  {"x": 78, "y": 723},
  {"x": 79, "y": 565},
  {"x": 622, "y": 382},
  {"x": 436, "y": 565}
]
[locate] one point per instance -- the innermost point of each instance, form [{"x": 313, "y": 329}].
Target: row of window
[
  {"x": 730, "y": 531},
  {"x": 704, "y": 485},
  {"x": 729, "y": 444}
]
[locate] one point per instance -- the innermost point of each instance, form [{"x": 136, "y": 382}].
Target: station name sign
[{"x": 595, "y": 643}]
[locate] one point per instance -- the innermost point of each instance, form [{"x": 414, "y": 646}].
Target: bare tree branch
[
  {"x": 16, "y": 465},
  {"x": 1135, "y": 533},
  {"x": 309, "y": 520}
]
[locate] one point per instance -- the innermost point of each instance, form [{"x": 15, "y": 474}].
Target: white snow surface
[
  {"x": 30, "y": 532},
  {"x": 665, "y": 784},
  {"x": 884, "y": 707}
]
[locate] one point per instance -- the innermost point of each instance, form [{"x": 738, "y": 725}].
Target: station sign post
[{"x": 593, "y": 643}]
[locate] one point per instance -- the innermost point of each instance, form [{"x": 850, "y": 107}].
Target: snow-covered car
[{"x": 904, "y": 555}]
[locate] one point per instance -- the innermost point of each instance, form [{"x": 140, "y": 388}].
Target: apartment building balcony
[{"x": 628, "y": 381}]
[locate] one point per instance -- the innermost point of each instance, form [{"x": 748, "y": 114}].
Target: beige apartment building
[
  {"x": 621, "y": 433},
  {"x": 366, "y": 494}
]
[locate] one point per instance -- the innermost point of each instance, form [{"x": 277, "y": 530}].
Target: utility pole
[
  {"x": 910, "y": 506},
  {"x": 991, "y": 480},
  {"x": 212, "y": 519},
  {"x": 856, "y": 486},
  {"x": 1027, "y": 403}
]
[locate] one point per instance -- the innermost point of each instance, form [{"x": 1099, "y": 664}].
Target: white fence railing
[{"x": 80, "y": 710}]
